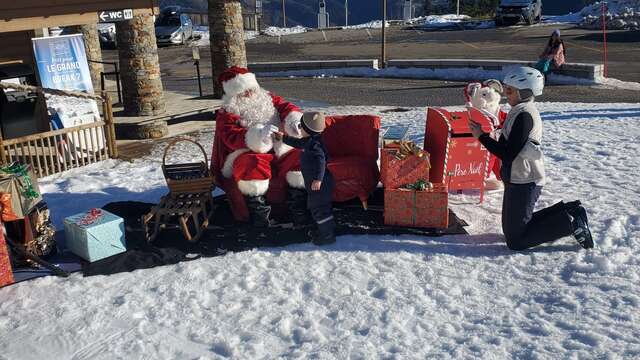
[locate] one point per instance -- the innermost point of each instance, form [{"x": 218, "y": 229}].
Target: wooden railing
[{"x": 56, "y": 151}]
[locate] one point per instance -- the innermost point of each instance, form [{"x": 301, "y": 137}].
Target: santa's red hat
[{"x": 236, "y": 80}]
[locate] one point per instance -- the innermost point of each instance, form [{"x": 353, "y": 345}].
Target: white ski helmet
[{"x": 525, "y": 78}]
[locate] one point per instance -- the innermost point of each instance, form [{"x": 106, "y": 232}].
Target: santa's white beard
[{"x": 254, "y": 109}]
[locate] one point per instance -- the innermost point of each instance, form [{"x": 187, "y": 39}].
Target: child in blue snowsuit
[{"x": 318, "y": 181}]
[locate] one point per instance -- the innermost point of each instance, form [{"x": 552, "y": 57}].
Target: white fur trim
[
  {"x": 258, "y": 139},
  {"x": 291, "y": 124},
  {"x": 240, "y": 83},
  {"x": 280, "y": 148},
  {"x": 253, "y": 187},
  {"x": 295, "y": 179},
  {"x": 227, "y": 167}
]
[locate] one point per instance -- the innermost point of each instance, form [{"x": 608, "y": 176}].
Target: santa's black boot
[
  {"x": 297, "y": 204},
  {"x": 259, "y": 211}
]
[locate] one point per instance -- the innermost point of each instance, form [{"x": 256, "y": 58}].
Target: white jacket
[{"x": 528, "y": 166}]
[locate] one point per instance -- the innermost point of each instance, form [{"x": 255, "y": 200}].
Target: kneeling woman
[{"x": 523, "y": 171}]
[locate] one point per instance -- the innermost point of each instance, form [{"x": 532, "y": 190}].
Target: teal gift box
[{"x": 95, "y": 234}]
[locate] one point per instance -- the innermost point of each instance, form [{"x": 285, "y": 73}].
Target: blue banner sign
[{"x": 62, "y": 63}]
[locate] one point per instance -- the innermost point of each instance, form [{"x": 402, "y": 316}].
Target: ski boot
[
  {"x": 297, "y": 204},
  {"x": 325, "y": 234},
  {"x": 580, "y": 225}
]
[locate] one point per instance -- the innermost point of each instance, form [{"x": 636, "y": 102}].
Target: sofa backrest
[{"x": 352, "y": 135}]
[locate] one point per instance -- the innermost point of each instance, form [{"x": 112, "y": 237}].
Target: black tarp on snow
[{"x": 225, "y": 235}]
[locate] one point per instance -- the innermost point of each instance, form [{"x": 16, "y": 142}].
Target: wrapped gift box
[
  {"x": 6, "y": 272},
  {"x": 395, "y": 172},
  {"x": 95, "y": 234},
  {"x": 17, "y": 201},
  {"x": 423, "y": 209}
]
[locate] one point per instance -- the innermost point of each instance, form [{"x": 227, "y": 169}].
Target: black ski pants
[{"x": 522, "y": 227}]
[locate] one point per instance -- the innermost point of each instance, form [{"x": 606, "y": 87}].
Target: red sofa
[{"x": 352, "y": 142}]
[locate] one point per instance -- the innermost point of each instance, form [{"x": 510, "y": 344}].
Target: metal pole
[
  {"x": 383, "y": 59},
  {"x": 346, "y": 12},
  {"x": 604, "y": 35},
  {"x": 458, "y": 8},
  {"x": 284, "y": 15},
  {"x": 197, "y": 64}
]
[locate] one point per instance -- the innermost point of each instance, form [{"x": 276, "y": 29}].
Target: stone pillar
[
  {"x": 226, "y": 33},
  {"x": 92, "y": 48},
  {"x": 139, "y": 66}
]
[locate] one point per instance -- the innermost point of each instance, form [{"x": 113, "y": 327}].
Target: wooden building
[{"x": 35, "y": 140}]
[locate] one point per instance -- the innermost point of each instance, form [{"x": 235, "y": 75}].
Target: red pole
[{"x": 604, "y": 35}]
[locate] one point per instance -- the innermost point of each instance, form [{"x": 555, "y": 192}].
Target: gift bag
[
  {"x": 35, "y": 233},
  {"x": 19, "y": 192},
  {"x": 401, "y": 166},
  {"x": 6, "y": 271}
]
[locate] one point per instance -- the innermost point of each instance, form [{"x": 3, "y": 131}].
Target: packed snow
[
  {"x": 619, "y": 14},
  {"x": 364, "y": 297},
  {"x": 277, "y": 31},
  {"x": 375, "y": 24}
]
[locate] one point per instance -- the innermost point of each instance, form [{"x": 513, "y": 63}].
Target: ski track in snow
[{"x": 365, "y": 297}]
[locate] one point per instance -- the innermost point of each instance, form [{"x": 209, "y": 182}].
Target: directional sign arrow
[{"x": 103, "y": 15}]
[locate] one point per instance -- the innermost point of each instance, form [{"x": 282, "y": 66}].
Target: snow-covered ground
[{"x": 366, "y": 297}]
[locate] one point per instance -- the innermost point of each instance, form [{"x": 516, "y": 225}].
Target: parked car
[
  {"x": 173, "y": 27},
  {"x": 511, "y": 12}
]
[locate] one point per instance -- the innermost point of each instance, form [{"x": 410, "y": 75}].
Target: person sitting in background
[{"x": 553, "y": 54}]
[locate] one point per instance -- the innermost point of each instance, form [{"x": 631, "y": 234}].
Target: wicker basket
[{"x": 187, "y": 177}]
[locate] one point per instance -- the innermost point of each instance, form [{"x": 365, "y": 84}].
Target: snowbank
[
  {"x": 620, "y": 15},
  {"x": 365, "y": 297},
  {"x": 376, "y": 24},
  {"x": 276, "y": 31}
]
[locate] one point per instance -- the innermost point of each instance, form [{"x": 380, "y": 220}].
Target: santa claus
[
  {"x": 486, "y": 97},
  {"x": 244, "y": 152}
]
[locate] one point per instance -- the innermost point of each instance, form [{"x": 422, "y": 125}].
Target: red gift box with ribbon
[
  {"x": 6, "y": 271},
  {"x": 395, "y": 172},
  {"x": 422, "y": 209}
]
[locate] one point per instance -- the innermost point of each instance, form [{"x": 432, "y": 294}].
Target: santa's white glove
[
  {"x": 258, "y": 138},
  {"x": 265, "y": 134}
]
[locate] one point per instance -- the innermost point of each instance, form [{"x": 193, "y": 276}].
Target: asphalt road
[{"x": 521, "y": 42}]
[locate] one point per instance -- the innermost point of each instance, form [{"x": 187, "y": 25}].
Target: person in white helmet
[{"x": 523, "y": 171}]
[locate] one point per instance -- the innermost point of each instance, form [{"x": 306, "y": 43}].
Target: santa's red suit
[{"x": 244, "y": 150}]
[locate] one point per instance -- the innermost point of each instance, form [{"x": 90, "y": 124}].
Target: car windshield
[{"x": 168, "y": 21}]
